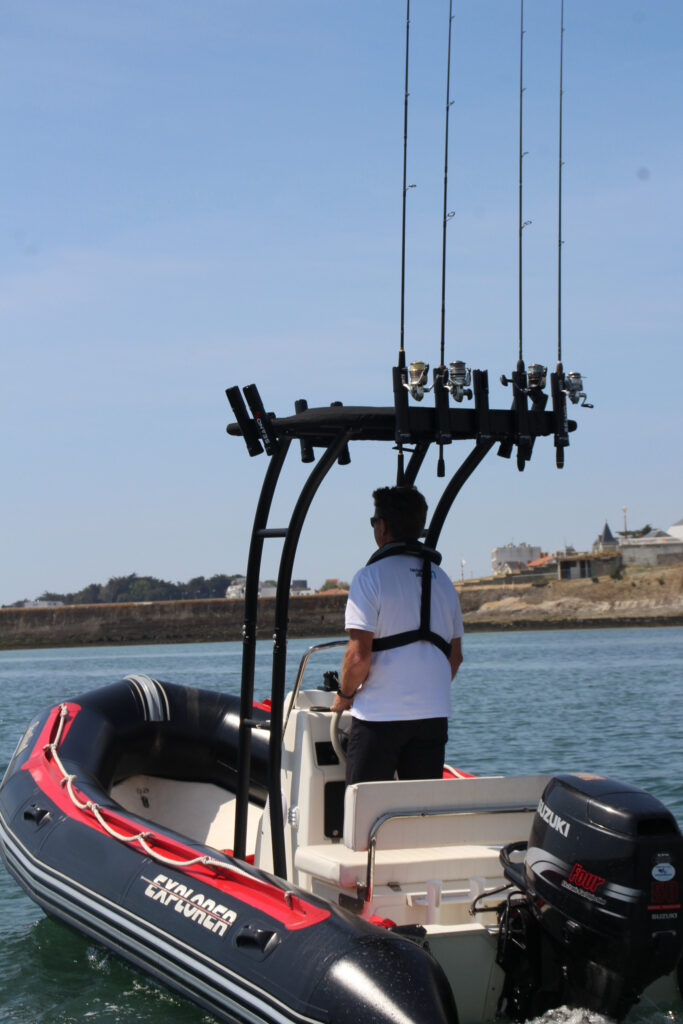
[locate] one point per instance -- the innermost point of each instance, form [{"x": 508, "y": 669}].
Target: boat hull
[{"x": 237, "y": 941}]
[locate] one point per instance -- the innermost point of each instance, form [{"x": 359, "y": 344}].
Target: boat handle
[
  {"x": 37, "y": 814},
  {"x": 511, "y": 870}
]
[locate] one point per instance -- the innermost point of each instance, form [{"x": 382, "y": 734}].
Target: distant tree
[
  {"x": 195, "y": 588},
  {"x": 149, "y": 588},
  {"x": 116, "y": 589},
  {"x": 49, "y": 596},
  {"x": 635, "y": 533},
  {"x": 142, "y": 588},
  {"x": 218, "y": 584}
]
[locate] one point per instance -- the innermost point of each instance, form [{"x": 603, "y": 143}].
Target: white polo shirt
[{"x": 413, "y": 681}]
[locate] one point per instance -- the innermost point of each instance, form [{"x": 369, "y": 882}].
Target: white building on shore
[
  {"x": 513, "y": 558},
  {"x": 237, "y": 588},
  {"x": 676, "y": 531},
  {"x": 657, "y": 547}
]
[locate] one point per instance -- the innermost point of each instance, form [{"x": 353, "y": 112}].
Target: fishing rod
[
  {"x": 560, "y": 165},
  {"x": 523, "y": 386},
  {"x": 401, "y": 350},
  {"x": 446, "y": 214},
  {"x": 557, "y": 383},
  {"x": 440, "y": 372},
  {"x": 572, "y": 383},
  {"x": 521, "y": 223},
  {"x": 563, "y": 385},
  {"x": 413, "y": 379}
]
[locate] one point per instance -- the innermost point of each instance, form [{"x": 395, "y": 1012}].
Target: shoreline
[
  {"x": 640, "y": 598},
  {"x": 470, "y": 629}
]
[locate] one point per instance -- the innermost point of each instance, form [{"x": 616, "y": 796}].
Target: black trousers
[{"x": 412, "y": 749}]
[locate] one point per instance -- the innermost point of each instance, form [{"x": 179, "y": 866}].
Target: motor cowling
[{"x": 601, "y": 879}]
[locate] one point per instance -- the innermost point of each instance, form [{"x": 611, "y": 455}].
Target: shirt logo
[{"x": 418, "y": 573}]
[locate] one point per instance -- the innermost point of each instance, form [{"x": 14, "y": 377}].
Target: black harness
[{"x": 424, "y": 631}]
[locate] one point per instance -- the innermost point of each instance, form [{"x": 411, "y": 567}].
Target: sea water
[{"x": 605, "y": 700}]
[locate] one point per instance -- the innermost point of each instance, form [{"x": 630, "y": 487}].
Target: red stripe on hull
[{"x": 294, "y": 912}]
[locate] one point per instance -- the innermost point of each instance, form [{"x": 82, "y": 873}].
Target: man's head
[{"x": 403, "y": 510}]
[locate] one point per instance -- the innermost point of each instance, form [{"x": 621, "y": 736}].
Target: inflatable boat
[{"x": 430, "y": 902}]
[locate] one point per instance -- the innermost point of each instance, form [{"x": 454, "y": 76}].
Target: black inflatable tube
[{"x": 263, "y": 966}]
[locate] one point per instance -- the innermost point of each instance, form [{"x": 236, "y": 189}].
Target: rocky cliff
[{"x": 640, "y": 597}]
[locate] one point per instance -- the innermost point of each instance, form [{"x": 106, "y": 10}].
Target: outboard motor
[{"x": 598, "y": 914}]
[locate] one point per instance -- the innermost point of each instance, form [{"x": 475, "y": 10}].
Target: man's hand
[
  {"x": 355, "y": 667},
  {"x": 456, "y": 655},
  {"x": 341, "y": 703}
]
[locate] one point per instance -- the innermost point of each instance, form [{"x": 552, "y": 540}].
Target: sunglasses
[{"x": 374, "y": 520}]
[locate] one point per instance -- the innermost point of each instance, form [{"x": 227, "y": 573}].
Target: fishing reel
[
  {"x": 418, "y": 375},
  {"x": 536, "y": 376},
  {"x": 573, "y": 389},
  {"x": 459, "y": 379}
]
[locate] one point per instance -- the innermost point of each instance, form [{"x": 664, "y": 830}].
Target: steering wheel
[{"x": 340, "y": 730}]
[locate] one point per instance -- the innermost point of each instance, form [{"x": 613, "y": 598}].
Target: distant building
[
  {"x": 300, "y": 588},
  {"x": 605, "y": 541},
  {"x": 236, "y": 588},
  {"x": 574, "y": 567},
  {"x": 334, "y": 586},
  {"x": 39, "y": 603},
  {"x": 676, "y": 531},
  {"x": 657, "y": 547},
  {"x": 513, "y": 558},
  {"x": 546, "y": 564},
  {"x": 581, "y": 565}
]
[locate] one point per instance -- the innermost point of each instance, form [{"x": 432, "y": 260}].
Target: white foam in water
[
  {"x": 98, "y": 959},
  {"x": 565, "y": 1015},
  {"x": 645, "y": 1010}
]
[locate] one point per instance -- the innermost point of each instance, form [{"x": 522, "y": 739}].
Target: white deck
[{"x": 199, "y": 810}]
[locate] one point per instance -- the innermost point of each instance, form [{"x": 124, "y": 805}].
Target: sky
[{"x": 199, "y": 195}]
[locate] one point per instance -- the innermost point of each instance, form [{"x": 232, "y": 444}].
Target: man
[{"x": 405, "y": 629}]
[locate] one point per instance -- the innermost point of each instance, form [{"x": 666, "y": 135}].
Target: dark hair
[{"x": 403, "y": 509}]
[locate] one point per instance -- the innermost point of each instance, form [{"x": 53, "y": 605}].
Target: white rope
[{"x": 66, "y": 780}]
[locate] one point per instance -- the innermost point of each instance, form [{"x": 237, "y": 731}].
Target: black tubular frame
[
  {"x": 249, "y": 626},
  {"x": 284, "y": 579},
  {"x": 332, "y": 429}
]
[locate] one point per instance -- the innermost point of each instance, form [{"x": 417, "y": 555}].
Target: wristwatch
[{"x": 339, "y": 691}]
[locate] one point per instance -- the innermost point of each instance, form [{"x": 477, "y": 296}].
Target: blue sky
[{"x": 198, "y": 195}]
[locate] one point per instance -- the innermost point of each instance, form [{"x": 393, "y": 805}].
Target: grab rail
[
  {"x": 426, "y": 813},
  {"x": 302, "y": 668}
]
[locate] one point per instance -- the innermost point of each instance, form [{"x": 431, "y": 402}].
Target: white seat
[
  {"x": 468, "y": 811},
  {"x": 337, "y": 864},
  {"x": 462, "y": 840}
]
